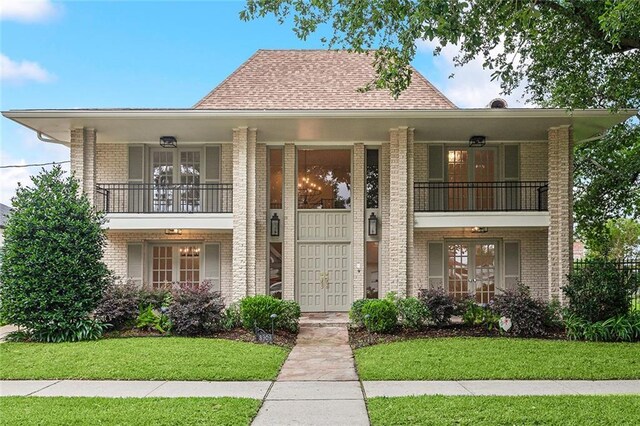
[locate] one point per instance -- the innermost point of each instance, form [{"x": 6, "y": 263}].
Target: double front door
[
  {"x": 324, "y": 276},
  {"x": 472, "y": 270}
]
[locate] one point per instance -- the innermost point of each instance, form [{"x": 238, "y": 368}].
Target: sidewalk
[{"x": 312, "y": 390}]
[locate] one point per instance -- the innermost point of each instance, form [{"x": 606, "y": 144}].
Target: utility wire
[{"x": 33, "y": 165}]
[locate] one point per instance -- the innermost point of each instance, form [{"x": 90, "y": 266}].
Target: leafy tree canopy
[
  {"x": 566, "y": 53},
  {"x": 52, "y": 275}
]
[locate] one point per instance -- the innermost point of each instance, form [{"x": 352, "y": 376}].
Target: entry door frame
[{"x": 299, "y": 211}]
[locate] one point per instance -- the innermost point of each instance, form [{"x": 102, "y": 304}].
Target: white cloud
[
  {"x": 471, "y": 85},
  {"x": 28, "y": 10},
  {"x": 22, "y": 71}
]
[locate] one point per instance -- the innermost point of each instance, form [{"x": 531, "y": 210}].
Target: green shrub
[
  {"x": 478, "y": 315},
  {"x": 526, "y": 313},
  {"x": 440, "y": 304},
  {"x": 355, "y": 313},
  {"x": 119, "y": 305},
  {"x": 195, "y": 310},
  {"x": 52, "y": 276},
  {"x": 412, "y": 313},
  {"x": 623, "y": 328},
  {"x": 380, "y": 315},
  {"x": 257, "y": 311},
  {"x": 289, "y": 316},
  {"x": 150, "y": 319},
  {"x": 156, "y": 297},
  {"x": 231, "y": 317},
  {"x": 599, "y": 290}
]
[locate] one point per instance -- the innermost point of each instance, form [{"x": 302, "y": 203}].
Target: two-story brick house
[{"x": 286, "y": 180}]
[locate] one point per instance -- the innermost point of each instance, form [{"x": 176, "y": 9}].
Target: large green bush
[
  {"x": 380, "y": 315},
  {"x": 52, "y": 275},
  {"x": 599, "y": 290},
  {"x": 257, "y": 311},
  {"x": 412, "y": 313}
]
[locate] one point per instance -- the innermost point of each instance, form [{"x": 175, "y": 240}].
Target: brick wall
[
  {"x": 289, "y": 206},
  {"x": 534, "y": 161},
  {"x": 358, "y": 209},
  {"x": 533, "y": 254},
  {"x": 112, "y": 163},
  {"x": 261, "y": 219},
  {"x": 383, "y": 254},
  {"x": 115, "y": 255}
]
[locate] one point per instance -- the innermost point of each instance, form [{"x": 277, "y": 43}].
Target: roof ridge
[{"x": 237, "y": 70}]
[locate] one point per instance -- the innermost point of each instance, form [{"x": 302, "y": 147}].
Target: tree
[
  {"x": 619, "y": 241},
  {"x": 567, "y": 53},
  {"x": 606, "y": 185},
  {"x": 52, "y": 275}
]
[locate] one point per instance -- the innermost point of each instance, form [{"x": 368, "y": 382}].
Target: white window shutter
[
  {"x": 436, "y": 265},
  {"x": 511, "y": 264},
  {"x": 212, "y": 265},
  {"x": 136, "y": 179},
  {"x": 212, "y": 163},
  {"x": 436, "y": 162},
  {"x": 512, "y": 162},
  {"x": 134, "y": 263}
]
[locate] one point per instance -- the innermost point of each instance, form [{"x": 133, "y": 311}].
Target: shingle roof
[{"x": 315, "y": 80}]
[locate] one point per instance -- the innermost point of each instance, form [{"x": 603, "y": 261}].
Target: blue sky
[{"x": 146, "y": 54}]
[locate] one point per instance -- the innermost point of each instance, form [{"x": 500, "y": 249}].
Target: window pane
[
  {"x": 162, "y": 171},
  {"x": 373, "y": 285},
  {"x": 458, "y": 270},
  {"x": 162, "y": 274},
  {"x": 324, "y": 179},
  {"x": 275, "y": 270},
  {"x": 190, "y": 265},
  {"x": 275, "y": 178},
  {"x": 190, "y": 181},
  {"x": 372, "y": 178}
]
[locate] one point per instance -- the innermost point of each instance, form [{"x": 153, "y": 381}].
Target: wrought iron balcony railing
[
  {"x": 480, "y": 196},
  {"x": 170, "y": 198}
]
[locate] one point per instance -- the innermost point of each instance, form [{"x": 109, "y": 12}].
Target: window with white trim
[{"x": 175, "y": 263}]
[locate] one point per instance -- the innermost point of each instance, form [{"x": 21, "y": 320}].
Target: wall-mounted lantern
[
  {"x": 168, "y": 141},
  {"x": 174, "y": 231},
  {"x": 479, "y": 229},
  {"x": 275, "y": 225},
  {"x": 477, "y": 141},
  {"x": 373, "y": 225}
]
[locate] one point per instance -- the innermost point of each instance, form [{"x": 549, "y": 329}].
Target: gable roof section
[{"x": 315, "y": 80}]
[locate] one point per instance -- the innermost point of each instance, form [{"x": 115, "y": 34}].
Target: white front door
[{"x": 324, "y": 276}]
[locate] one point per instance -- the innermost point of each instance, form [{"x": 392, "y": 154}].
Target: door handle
[{"x": 324, "y": 280}]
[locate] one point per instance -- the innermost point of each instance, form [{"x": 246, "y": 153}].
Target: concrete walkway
[
  {"x": 318, "y": 384},
  {"x": 6, "y": 329},
  {"x": 312, "y": 390}
]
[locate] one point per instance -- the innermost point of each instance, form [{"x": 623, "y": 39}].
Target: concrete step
[{"x": 324, "y": 319}]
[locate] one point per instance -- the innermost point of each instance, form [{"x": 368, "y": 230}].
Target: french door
[
  {"x": 472, "y": 270},
  {"x": 176, "y": 181},
  {"x": 471, "y": 165}
]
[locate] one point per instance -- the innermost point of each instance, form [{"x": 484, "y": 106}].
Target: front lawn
[
  {"x": 134, "y": 411},
  {"x": 498, "y": 358},
  {"x": 506, "y": 410},
  {"x": 150, "y": 358}
]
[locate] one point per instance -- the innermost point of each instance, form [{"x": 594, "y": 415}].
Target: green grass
[
  {"x": 498, "y": 358},
  {"x": 29, "y": 410},
  {"x": 142, "y": 358},
  {"x": 506, "y": 410}
]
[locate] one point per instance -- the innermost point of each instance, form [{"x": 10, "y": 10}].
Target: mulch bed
[
  {"x": 359, "y": 337},
  {"x": 281, "y": 338}
]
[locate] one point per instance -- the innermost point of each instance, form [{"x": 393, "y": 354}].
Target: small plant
[
  {"x": 231, "y": 317},
  {"x": 256, "y": 311},
  {"x": 412, "y": 313},
  {"x": 441, "y": 305},
  {"x": 149, "y": 319},
  {"x": 623, "y": 328},
  {"x": 289, "y": 316},
  {"x": 475, "y": 315},
  {"x": 355, "y": 313},
  {"x": 119, "y": 305},
  {"x": 527, "y": 314},
  {"x": 195, "y": 310},
  {"x": 599, "y": 290},
  {"x": 157, "y": 297},
  {"x": 380, "y": 315}
]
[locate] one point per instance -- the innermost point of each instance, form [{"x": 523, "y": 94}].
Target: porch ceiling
[{"x": 188, "y": 125}]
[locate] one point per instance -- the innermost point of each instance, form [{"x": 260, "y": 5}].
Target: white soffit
[{"x": 146, "y": 126}]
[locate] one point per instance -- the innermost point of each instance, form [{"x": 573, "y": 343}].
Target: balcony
[
  {"x": 481, "y": 196},
  {"x": 151, "y": 198}
]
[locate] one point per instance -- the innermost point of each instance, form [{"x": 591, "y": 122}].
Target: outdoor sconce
[
  {"x": 173, "y": 231},
  {"x": 168, "y": 141},
  {"x": 373, "y": 225},
  {"x": 275, "y": 225},
  {"x": 477, "y": 141},
  {"x": 479, "y": 229}
]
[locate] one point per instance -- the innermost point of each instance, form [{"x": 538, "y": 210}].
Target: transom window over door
[
  {"x": 324, "y": 179},
  {"x": 176, "y": 180},
  {"x": 472, "y": 270}
]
